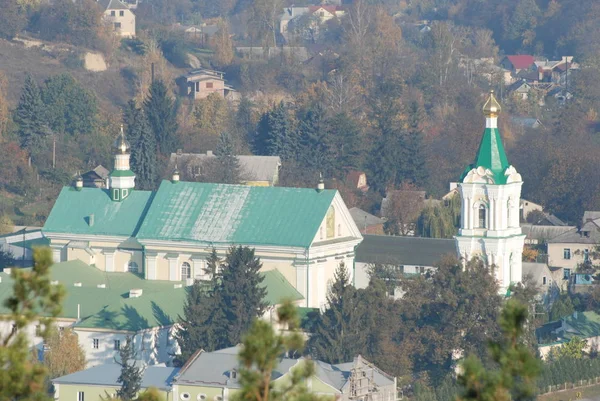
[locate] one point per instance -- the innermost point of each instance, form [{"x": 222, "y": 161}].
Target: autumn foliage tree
[{"x": 64, "y": 355}]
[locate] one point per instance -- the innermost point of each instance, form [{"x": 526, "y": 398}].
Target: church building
[
  {"x": 490, "y": 191},
  {"x": 167, "y": 234}
]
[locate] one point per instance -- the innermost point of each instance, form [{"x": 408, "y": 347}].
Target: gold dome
[
  {"x": 491, "y": 108},
  {"x": 121, "y": 145}
]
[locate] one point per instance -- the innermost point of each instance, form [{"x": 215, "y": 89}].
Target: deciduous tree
[{"x": 64, "y": 355}]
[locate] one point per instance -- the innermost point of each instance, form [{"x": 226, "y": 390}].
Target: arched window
[
  {"x": 330, "y": 223},
  {"x": 186, "y": 271},
  {"x": 132, "y": 267},
  {"x": 482, "y": 216}
]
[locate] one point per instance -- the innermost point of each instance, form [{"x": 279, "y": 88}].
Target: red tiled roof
[{"x": 521, "y": 61}]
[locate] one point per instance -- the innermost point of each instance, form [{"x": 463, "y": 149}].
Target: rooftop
[
  {"x": 521, "y": 61},
  {"x": 239, "y": 214},
  {"x": 103, "y": 297},
  {"x": 362, "y": 218},
  {"x": 107, "y": 375},
  {"x": 73, "y": 210},
  {"x": 412, "y": 251}
]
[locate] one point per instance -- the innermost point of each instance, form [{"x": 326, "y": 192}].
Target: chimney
[
  {"x": 209, "y": 153},
  {"x": 90, "y": 220},
  {"x": 179, "y": 152},
  {"x": 79, "y": 182},
  {"x": 135, "y": 293},
  {"x": 175, "y": 176}
]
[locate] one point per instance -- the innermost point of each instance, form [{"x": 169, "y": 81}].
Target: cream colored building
[
  {"x": 120, "y": 16},
  {"x": 303, "y": 233}
]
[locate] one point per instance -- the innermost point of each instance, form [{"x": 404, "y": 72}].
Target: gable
[
  {"x": 337, "y": 223},
  {"x": 72, "y": 210},
  {"x": 235, "y": 214}
]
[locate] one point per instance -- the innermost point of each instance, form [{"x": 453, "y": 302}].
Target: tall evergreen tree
[
  {"x": 245, "y": 121},
  {"x": 316, "y": 152},
  {"x": 29, "y": 115},
  {"x": 143, "y": 147},
  {"x": 162, "y": 116},
  {"x": 203, "y": 324},
  {"x": 242, "y": 291},
  {"x": 227, "y": 162},
  {"x": 131, "y": 375},
  {"x": 339, "y": 335},
  {"x": 414, "y": 166},
  {"x": 276, "y": 134},
  {"x": 346, "y": 142}
]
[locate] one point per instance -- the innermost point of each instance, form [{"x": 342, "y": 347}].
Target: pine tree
[
  {"x": 143, "y": 147},
  {"x": 131, "y": 375},
  {"x": 276, "y": 134},
  {"x": 316, "y": 151},
  {"x": 228, "y": 163},
  {"x": 245, "y": 120},
  {"x": 242, "y": 291},
  {"x": 260, "y": 354},
  {"x": 414, "y": 166},
  {"x": 383, "y": 162},
  {"x": 161, "y": 113},
  {"x": 29, "y": 115},
  {"x": 339, "y": 335},
  {"x": 346, "y": 140},
  {"x": 517, "y": 368}
]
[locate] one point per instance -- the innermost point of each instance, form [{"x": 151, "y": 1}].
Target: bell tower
[
  {"x": 121, "y": 179},
  {"x": 490, "y": 191}
]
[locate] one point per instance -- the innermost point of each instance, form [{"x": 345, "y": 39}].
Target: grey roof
[
  {"x": 99, "y": 172},
  {"x": 414, "y": 251},
  {"x": 530, "y": 122},
  {"x": 213, "y": 369},
  {"x": 536, "y": 270},
  {"x": 362, "y": 218},
  {"x": 259, "y": 168},
  {"x": 544, "y": 232},
  {"x": 106, "y": 375},
  {"x": 112, "y": 5},
  {"x": 590, "y": 215},
  {"x": 574, "y": 236}
]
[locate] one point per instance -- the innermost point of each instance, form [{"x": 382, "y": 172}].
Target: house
[
  {"x": 214, "y": 376},
  {"x": 366, "y": 222},
  {"x": 357, "y": 180},
  {"x": 526, "y": 122},
  {"x": 298, "y": 53},
  {"x": 540, "y": 234},
  {"x": 542, "y": 277},
  {"x": 255, "y": 170},
  {"x": 120, "y": 16},
  {"x": 100, "y": 382},
  {"x": 200, "y": 83},
  {"x": 584, "y": 325},
  {"x": 520, "y": 89},
  {"x": 528, "y": 206},
  {"x": 20, "y": 242},
  {"x": 96, "y": 178},
  {"x": 409, "y": 255},
  {"x": 575, "y": 246},
  {"x": 518, "y": 63},
  {"x": 321, "y": 13},
  {"x": 103, "y": 308},
  {"x": 304, "y": 233}
]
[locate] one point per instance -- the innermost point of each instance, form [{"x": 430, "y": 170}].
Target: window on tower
[{"x": 482, "y": 216}]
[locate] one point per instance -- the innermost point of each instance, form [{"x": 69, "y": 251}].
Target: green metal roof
[
  {"x": 122, "y": 173},
  {"x": 110, "y": 308},
  {"x": 72, "y": 210},
  {"x": 235, "y": 214},
  {"x": 278, "y": 288},
  {"x": 584, "y": 324},
  {"x": 491, "y": 156}
]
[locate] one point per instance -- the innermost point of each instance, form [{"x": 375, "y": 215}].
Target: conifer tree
[
  {"x": 131, "y": 375},
  {"x": 29, "y": 115},
  {"x": 33, "y": 297},
  {"x": 143, "y": 147},
  {"x": 339, "y": 335},
  {"x": 316, "y": 150},
  {"x": 517, "y": 368},
  {"x": 414, "y": 168},
  {"x": 161, "y": 113},
  {"x": 346, "y": 142},
  {"x": 244, "y": 119},
  {"x": 276, "y": 134},
  {"x": 203, "y": 324},
  {"x": 261, "y": 352},
  {"x": 242, "y": 291},
  {"x": 228, "y": 163}
]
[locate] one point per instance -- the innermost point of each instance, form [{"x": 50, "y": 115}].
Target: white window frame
[
  {"x": 567, "y": 253},
  {"x": 80, "y": 396},
  {"x": 95, "y": 343}
]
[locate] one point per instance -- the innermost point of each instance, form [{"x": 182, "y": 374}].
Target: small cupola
[
  {"x": 321, "y": 184},
  {"x": 175, "y": 177},
  {"x": 79, "y": 182}
]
